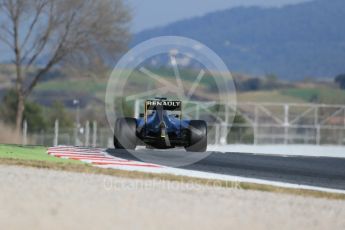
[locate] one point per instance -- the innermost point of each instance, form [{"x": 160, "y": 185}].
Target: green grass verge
[
  {"x": 319, "y": 95},
  {"x": 269, "y": 97},
  {"x": 134, "y": 82},
  {"x": 38, "y": 158},
  {"x": 86, "y": 86},
  {"x": 32, "y": 153}
]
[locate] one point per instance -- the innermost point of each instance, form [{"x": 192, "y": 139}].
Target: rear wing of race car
[{"x": 163, "y": 105}]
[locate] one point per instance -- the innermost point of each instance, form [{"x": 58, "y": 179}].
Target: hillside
[{"x": 294, "y": 42}]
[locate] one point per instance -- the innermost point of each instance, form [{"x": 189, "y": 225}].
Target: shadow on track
[{"x": 172, "y": 157}]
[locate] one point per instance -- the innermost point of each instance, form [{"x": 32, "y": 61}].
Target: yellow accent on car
[{"x": 163, "y": 132}]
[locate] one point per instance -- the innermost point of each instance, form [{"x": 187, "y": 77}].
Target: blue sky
[{"x": 152, "y": 13}]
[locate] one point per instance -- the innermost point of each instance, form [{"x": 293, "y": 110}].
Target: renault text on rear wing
[{"x": 164, "y": 105}]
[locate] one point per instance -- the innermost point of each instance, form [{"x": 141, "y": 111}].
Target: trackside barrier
[{"x": 255, "y": 123}]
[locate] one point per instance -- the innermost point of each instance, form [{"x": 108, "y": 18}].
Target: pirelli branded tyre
[
  {"x": 197, "y": 136},
  {"x": 125, "y": 133}
]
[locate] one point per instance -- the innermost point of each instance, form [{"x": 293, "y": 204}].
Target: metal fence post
[
  {"x": 137, "y": 108},
  {"x": 224, "y": 132},
  {"x": 56, "y": 133},
  {"x": 197, "y": 115},
  {"x": 110, "y": 142},
  {"x": 87, "y": 133},
  {"x": 94, "y": 134},
  {"x": 256, "y": 122},
  {"x": 318, "y": 134},
  {"x": 226, "y": 111},
  {"x": 75, "y": 134},
  {"x": 25, "y": 133},
  {"x": 316, "y": 116},
  {"x": 216, "y": 138},
  {"x": 286, "y": 124}
]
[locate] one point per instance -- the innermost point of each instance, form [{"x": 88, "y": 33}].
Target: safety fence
[{"x": 244, "y": 123}]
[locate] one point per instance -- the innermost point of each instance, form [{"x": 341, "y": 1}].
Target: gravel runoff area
[{"x": 33, "y": 198}]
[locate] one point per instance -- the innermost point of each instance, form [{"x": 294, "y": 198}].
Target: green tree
[
  {"x": 240, "y": 134},
  {"x": 33, "y": 114},
  {"x": 272, "y": 78},
  {"x": 271, "y": 82},
  {"x": 340, "y": 80},
  {"x": 58, "y": 112},
  {"x": 35, "y": 117},
  {"x": 57, "y": 31}
]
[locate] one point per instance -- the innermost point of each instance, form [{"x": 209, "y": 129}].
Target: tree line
[{"x": 47, "y": 33}]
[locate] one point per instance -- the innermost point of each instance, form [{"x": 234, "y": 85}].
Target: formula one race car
[{"x": 161, "y": 126}]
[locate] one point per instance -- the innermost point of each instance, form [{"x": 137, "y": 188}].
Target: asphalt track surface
[{"x": 315, "y": 171}]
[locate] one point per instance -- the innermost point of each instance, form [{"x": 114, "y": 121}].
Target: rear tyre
[
  {"x": 125, "y": 133},
  {"x": 197, "y": 136}
]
